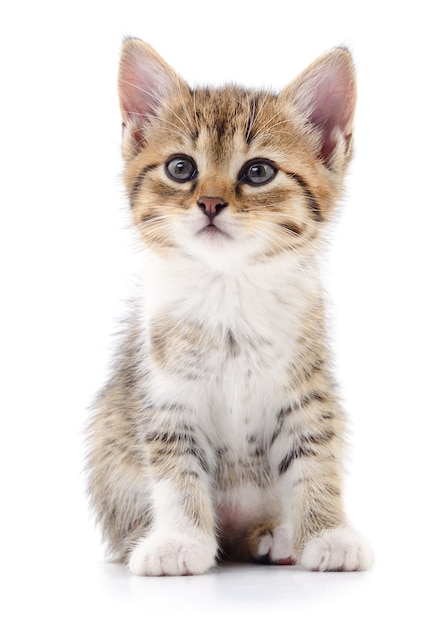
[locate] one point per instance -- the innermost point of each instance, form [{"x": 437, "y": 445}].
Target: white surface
[
  {"x": 66, "y": 264},
  {"x": 84, "y": 592}
]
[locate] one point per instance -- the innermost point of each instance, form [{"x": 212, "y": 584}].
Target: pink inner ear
[
  {"x": 145, "y": 80},
  {"x": 138, "y": 89},
  {"x": 332, "y": 103}
]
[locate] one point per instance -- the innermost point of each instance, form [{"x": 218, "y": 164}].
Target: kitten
[{"x": 219, "y": 433}]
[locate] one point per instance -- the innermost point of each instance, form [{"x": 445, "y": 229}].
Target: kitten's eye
[
  {"x": 181, "y": 168},
  {"x": 258, "y": 172}
]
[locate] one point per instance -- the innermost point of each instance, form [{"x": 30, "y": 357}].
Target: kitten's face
[{"x": 226, "y": 174}]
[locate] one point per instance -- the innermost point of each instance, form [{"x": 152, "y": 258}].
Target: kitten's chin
[{"x": 216, "y": 249}]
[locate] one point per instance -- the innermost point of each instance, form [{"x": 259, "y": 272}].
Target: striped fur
[{"x": 220, "y": 432}]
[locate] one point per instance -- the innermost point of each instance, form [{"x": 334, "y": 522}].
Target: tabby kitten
[{"x": 220, "y": 433}]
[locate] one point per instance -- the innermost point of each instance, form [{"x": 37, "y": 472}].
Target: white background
[{"x": 67, "y": 263}]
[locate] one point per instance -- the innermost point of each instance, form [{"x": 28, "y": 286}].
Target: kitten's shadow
[{"x": 230, "y": 587}]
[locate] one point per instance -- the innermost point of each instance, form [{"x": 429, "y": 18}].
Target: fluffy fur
[{"x": 219, "y": 432}]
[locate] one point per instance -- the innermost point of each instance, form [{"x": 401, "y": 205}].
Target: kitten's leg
[
  {"x": 325, "y": 541},
  {"x": 308, "y": 450},
  {"x": 181, "y": 539}
]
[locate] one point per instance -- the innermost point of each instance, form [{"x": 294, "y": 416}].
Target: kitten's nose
[{"x": 211, "y": 206}]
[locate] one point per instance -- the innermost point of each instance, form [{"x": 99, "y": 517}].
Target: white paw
[
  {"x": 276, "y": 547},
  {"x": 173, "y": 554},
  {"x": 340, "y": 549}
]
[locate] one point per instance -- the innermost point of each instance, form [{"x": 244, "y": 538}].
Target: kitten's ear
[
  {"x": 145, "y": 81},
  {"x": 325, "y": 97}
]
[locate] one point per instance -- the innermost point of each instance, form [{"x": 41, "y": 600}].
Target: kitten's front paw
[
  {"x": 173, "y": 554},
  {"x": 337, "y": 550},
  {"x": 271, "y": 543},
  {"x": 276, "y": 547}
]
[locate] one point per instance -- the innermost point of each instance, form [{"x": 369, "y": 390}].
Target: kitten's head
[{"x": 230, "y": 173}]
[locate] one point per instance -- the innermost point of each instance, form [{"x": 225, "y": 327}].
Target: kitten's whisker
[
  {"x": 161, "y": 122},
  {"x": 254, "y": 117},
  {"x": 275, "y": 234},
  {"x": 262, "y": 133},
  {"x": 195, "y": 109},
  {"x": 156, "y": 218},
  {"x": 185, "y": 107},
  {"x": 188, "y": 130},
  {"x": 258, "y": 209},
  {"x": 251, "y": 106},
  {"x": 267, "y": 125}
]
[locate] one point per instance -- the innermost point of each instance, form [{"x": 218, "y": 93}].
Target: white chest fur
[
  {"x": 255, "y": 312},
  {"x": 258, "y": 298}
]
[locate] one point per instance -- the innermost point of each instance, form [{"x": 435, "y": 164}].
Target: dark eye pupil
[
  {"x": 180, "y": 168},
  {"x": 257, "y": 171}
]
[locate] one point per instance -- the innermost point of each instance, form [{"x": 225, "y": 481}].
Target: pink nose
[{"x": 211, "y": 206}]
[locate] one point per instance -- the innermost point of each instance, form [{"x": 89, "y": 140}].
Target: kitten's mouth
[{"x": 213, "y": 232}]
